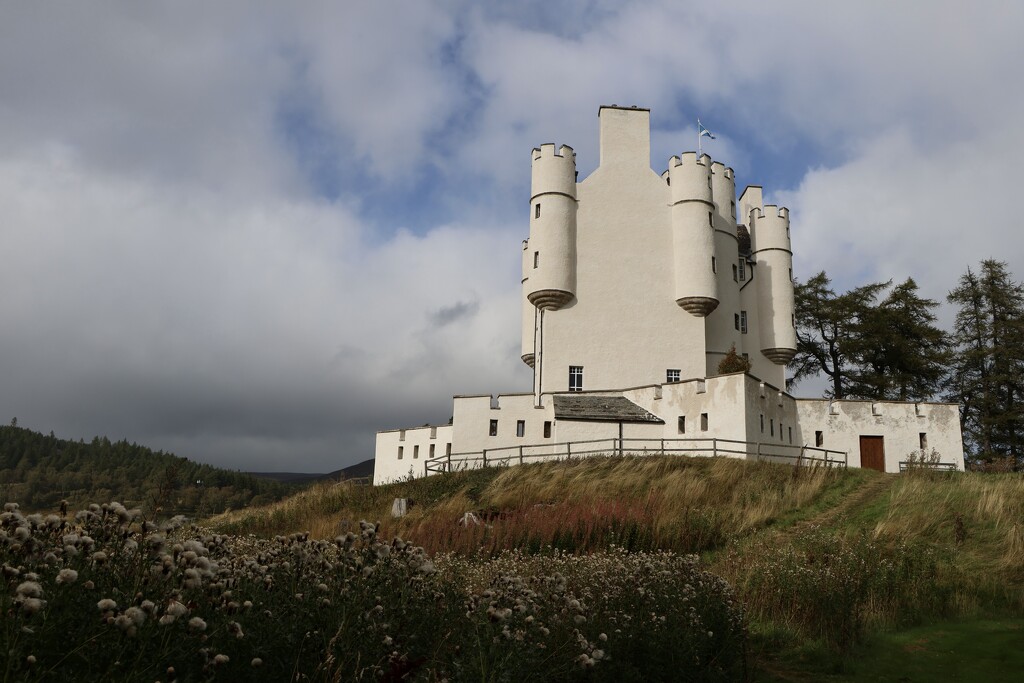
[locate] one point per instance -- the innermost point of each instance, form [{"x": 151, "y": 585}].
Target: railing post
[
  {"x": 620, "y": 446},
  {"x": 663, "y": 446},
  {"x": 714, "y": 448},
  {"x": 568, "y": 450},
  {"x": 758, "y": 452},
  {"x": 484, "y": 454},
  {"x": 520, "y": 455}
]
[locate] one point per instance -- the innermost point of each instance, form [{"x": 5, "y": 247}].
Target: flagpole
[{"x": 699, "y": 153}]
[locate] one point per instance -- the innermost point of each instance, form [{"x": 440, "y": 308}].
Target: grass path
[{"x": 859, "y": 505}]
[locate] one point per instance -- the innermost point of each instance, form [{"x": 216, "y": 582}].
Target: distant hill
[
  {"x": 360, "y": 470},
  {"x": 39, "y": 471}
]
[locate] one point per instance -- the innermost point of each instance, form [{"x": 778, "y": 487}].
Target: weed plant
[{"x": 108, "y": 595}]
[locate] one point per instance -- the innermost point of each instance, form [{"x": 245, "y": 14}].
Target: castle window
[
  {"x": 682, "y": 424},
  {"x": 448, "y": 449},
  {"x": 671, "y": 376},
  {"x": 431, "y": 454},
  {"x": 416, "y": 452},
  {"x": 401, "y": 435},
  {"x": 790, "y": 432},
  {"x": 923, "y": 440},
  {"x": 736, "y": 320},
  {"x": 743, "y": 322},
  {"x": 536, "y": 210},
  {"x": 494, "y": 428},
  {"x": 714, "y": 265},
  {"x": 703, "y": 422},
  {"x": 742, "y": 268},
  {"x": 791, "y": 274},
  {"x": 732, "y": 207},
  {"x": 771, "y": 426},
  {"x": 780, "y": 430},
  {"x": 536, "y": 259},
  {"x": 794, "y": 321},
  {"x": 819, "y": 439},
  {"x": 401, "y": 452},
  {"x": 762, "y": 423},
  {"x": 711, "y": 219},
  {"x": 520, "y": 427},
  {"x": 735, "y": 273},
  {"x": 575, "y": 378},
  {"x": 547, "y": 429},
  {"x": 433, "y": 432}
]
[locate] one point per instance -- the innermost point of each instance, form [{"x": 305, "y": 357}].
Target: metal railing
[
  {"x": 567, "y": 450},
  {"x": 915, "y": 465}
]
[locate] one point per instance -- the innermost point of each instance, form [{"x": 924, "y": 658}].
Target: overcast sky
[{"x": 255, "y": 233}]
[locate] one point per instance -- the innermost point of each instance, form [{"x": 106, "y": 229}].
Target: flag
[{"x": 702, "y": 131}]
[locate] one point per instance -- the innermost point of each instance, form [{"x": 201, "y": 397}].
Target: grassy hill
[
  {"x": 39, "y": 471},
  {"x": 836, "y": 569}
]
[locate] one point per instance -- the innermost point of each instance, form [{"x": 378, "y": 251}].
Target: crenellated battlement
[
  {"x": 770, "y": 211},
  {"x": 689, "y": 158},
  {"x": 548, "y": 150},
  {"x": 717, "y": 167}
]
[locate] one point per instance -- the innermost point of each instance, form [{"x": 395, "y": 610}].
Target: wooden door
[{"x": 872, "y": 452}]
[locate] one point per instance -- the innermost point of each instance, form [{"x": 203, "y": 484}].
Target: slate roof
[{"x": 601, "y": 409}]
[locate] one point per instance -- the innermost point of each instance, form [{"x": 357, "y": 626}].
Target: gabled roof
[{"x": 601, "y": 409}]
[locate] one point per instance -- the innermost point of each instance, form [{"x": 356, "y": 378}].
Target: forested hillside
[{"x": 39, "y": 471}]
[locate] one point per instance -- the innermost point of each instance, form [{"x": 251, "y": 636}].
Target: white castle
[{"x": 635, "y": 287}]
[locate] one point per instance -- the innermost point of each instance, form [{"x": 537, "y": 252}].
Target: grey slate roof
[{"x": 601, "y": 409}]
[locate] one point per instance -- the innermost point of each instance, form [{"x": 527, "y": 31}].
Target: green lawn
[{"x": 984, "y": 650}]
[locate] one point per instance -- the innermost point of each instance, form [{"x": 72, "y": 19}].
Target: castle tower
[
  {"x": 693, "y": 233},
  {"x": 723, "y": 324},
  {"x": 770, "y": 244},
  {"x": 551, "y": 258},
  {"x": 529, "y": 311}
]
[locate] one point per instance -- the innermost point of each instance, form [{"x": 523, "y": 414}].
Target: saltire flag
[{"x": 702, "y": 131}]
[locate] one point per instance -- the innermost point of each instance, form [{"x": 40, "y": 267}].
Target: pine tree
[
  {"x": 898, "y": 351},
  {"x": 827, "y": 329},
  {"x": 986, "y": 372}
]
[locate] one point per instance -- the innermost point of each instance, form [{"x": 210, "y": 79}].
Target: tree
[
  {"x": 827, "y": 328},
  {"x": 988, "y": 337},
  {"x": 898, "y": 352},
  {"x": 733, "y": 362}
]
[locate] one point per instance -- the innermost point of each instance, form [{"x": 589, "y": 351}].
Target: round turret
[
  {"x": 769, "y": 234},
  {"x": 551, "y": 259},
  {"x": 692, "y": 210},
  {"x": 529, "y": 311},
  {"x": 724, "y": 325}
]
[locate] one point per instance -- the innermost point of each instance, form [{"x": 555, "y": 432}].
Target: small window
[
  {"x": 743, "y": 322},
  {"x": 732, "y": 207},
  {"x": 547, "y": 429},
  {"x": 771, "y": 426},
  {"x": 791, "y": 274},
  {"x": 923, "y": 440},
  {"x": 703, "y": 422},
  {"x": 433, "y": 432},
  {"x": 714, "y": 265},
  {"x": 819, "y": 439},
  {"x": 416, "y": 452},
  {"x": 682, "y": 424},
  {"x": 780, "y": 430},
  {"x": 447, "y": 449},
  {"x": 711, "y": 217},
  {"x": 401, "y": 452},
  {"x": 431, "y": 454},
  {"x": 762, "y": 423},
  {"x": 790, "y": 432},
  {"x": 520, "y": 427},
  {"x": 671, "y": 376},
  {"x": 794, "y": 321},
  {"x": 735, "y": 273},
  {"x": 736, "y": 320},
  {"x": 536, "y": 259},
  {"x": 742, "y": 268},
  {"x": 494, "y": 428},
  {"x": 536, "y": 210},
  {"x": 401, "y": 435},
  {"x": 575, "y": 378}
]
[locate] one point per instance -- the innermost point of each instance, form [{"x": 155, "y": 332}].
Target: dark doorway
[{"x": 872, "y": 452}]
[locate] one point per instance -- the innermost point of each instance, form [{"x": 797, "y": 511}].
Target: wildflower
[
  {"x": 256, "y": 662},
  {"x": 99, "y": 557},
  {"x": 176, "y": 609},
  {"x": 29, "y": 589},
  {"x": 235, "y": 629},
  {"x": 31, "y": 659},
  {"x": 221, "y": 659},
  {"x": 136, "y": 615},
  {"x": 88, "y": 585},
  {"x": 167, "y": 619},
  {"x": 32, "y": 605},
  {"x": 67, "y": 576},
  {"x": 197, "y": 624},
  {"x": 106, "y": 605},
  {"x": 22, "y": 533},
  {"x": 148, "y": 607}
]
